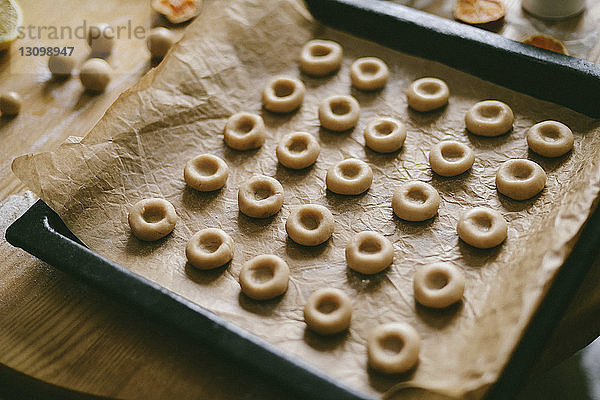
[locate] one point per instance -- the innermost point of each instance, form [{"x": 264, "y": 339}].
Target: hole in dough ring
[
  {"x": 206, "y": 173},
  {"x": 482, "y": 227},
  {"x": 310, "y": 225},
  {"x": 349, "y": 177},
  {"x": 209, "y": 248},
  {"x": 298, "y": 150},
  {"x": 369, "y": 252},
  {"x": 427, "y": 94},
  {"x": 451, "y": 158},
  {"x": 339, "y": 113},
  {"x": 520, "y": 179},
  {"x": 152, "y": 219},
  {"x": 393, "y": 348},
  {"x": 550, "y": 139},
  {"x": 385, "y": 135},
  {"x": 245, "y": 131},
  {"x": 415, "y": 201},
  {"x": 369, "y": 73},
  {"x": 321, "y": 57},
  {"x": 264, "y": 277},
  {"x": 489, "y": 118},
  {"x": 283, "y": 95},
  {"x": 260, "y": 197},
  {"x": 438, "y": 285},
  {"x": 328, "y": 311}
]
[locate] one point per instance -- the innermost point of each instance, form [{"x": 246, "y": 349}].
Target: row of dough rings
[
  {"x": 415, "y": 201},
  {"x": 264, "y": 277},
  {"x": 152, "y": 219},
  {"x": 298, "y": 150},
  {"x": 349, "y": 177},
  {"x": 206, "y": 173},
  {"x": 328, "y": 311},
  {"x": 550, "y": 139},
  {"x": 383, "y": 343},
  {"x": 451, "y": 158},
  {"x": 310, "y": 224},
  {"x": 283, "y": 94},
  {"x": 260, "y": 196},
  {"x": 489, "y": 118},
  {"x": 385, "y": 135},
  {"x": 482, "y": 227},
  {"x": 520, "y": 179},
  {"x": 369, "y": 252},
  {"x": 369, "y": 73},
  {"x": 427, "y": 94},
  {"x": 339, "y": 113},
  {"x": 438, "y": 285},
  {"x": 244, "y": 131},
  {"x": 209, "y": 248}
]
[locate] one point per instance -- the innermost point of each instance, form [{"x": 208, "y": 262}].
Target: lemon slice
[{"x": 10, "y": 20}]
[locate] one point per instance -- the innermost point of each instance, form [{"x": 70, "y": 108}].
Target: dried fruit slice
[
  {"x": 10, "y": 20},
  {"x": 178, "y": 11},
  {"x": 546, "y": 42},
  {"x": 477, "y": 12}
]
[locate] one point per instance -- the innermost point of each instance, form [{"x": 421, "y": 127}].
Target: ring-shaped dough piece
[
  {"x": 328, "y": 311},
  {"x": 310, "y": 224},
  {"x": 339, "y": 113},
  {"x": 451, "y": 158},
  {"x": 489, "y": 118},
  {"x": 264, "y": 277},
  {"x": 206, "y": 173},
  {"x": 520, "y": 179},
  {"x": 260, "y": 196},
  {"x": 245, "y": 131},
  {"x": 438, "y": 285},
  {"x": 482, "y": 227},
  {"x": 351, "y": 177},
  {"x": 209, "y": 248},
  {"x": 427, "y": 94},
  {"x": 415, "y": 201},
  {"x": 321, "y": 57},
  {"x": 385, "y": 135},
  {"x": 298, "y": 150},
  {"x": 369, "y": 73},
  {"x": 152, "y": 219},
  {"x": 369, "y": 252},
  {"x": 283, "y": 94},
  {"x": 550, "y": 138},
  {"x": 393, "y": 348}
]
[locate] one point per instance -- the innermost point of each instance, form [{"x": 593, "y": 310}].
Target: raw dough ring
[
  {"x": 310, "y": 225},
  {"x": 415, "y": 201},
  {"x": 427, "y": 94},
  {"x": 451, "y": 158},
  {"x": 369, "y": 73},
  {"x": 298, "y": 150},
  {"x": 351, "y": 176},
  {"x": 482, "y": 227},
  {"x": 438, "y": 285},
  {"x": 520, "y": 179},
  {"x": 339, "y": 113},
  {"x": 385, "y": 135},
  {"x": 328, "y": 311},
  {"x": 206, "y": 173},
  {"x": 209, "y": 248},
  {"x": 489, "y": 118},
  {"x": 550, "y": 138},
  {"x": 260, "y": 196},
  {"x": 283, "y": 95},
  {"x": 245, "y": 131},
  {"x": 152, "y": 219},
  {"x": 264, "y": 277},
  {"x": 321, "y": 57},
  {"x": 369, "y": 252},
  {"x": 393, "y": 348}
]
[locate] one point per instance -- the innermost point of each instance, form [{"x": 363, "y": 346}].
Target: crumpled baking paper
[{"x": 178, "y": 110}]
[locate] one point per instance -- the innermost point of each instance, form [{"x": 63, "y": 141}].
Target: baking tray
[{"x": 42, "y": 233}]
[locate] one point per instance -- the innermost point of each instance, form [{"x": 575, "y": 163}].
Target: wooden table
[{"x": 60, "y": 336}]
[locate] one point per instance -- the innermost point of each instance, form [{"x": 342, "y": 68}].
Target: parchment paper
[{"x": 179, "y": 110}]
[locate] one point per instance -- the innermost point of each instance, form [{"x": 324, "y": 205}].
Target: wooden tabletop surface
[{"x": 60, "y": 336}]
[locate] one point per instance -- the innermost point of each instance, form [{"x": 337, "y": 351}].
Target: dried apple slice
[
  {"x": 178, "y": 11},
  {"x": 478, "y": 12},
  {"x": 546, "y": 42}
]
